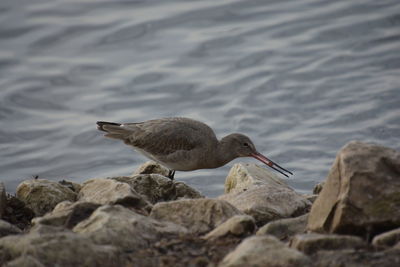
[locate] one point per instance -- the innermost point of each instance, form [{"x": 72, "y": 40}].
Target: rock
[
  {"x": 239, "y": 225},
  {"x": 387, "y": 239},
  {"x": 361, "y": 194},
  {"x": 242, "y": 176},
  {"x": 310, "y": 198},
  {"x": 184, "y": 191},
  {"x": 156, "y": 188},
  {"x": 42, "y": 195},
  {"x": 285, "y": 228},
  {"x": 197, "y": 215},
  {"x": 58, "y": 249},
  {"x": 119, "y": 226},
  {"x": 67, "y": 214},
  {"x": 108, "y": 191},
  {"x": 356, "y": 258},
  {"x": 262, "y": 195},
  {"x": 17, "y": 213},
  {"x": 25, "y": 261},
  {"x": 7, "y": 228},
  {"x": 264, "y": 251},
  {"x": 318, "y": 188},
  {"x": 71, "y": 185},
  {"x": 151, "y": 167},
  {"x": 3, "y": 199},
  {"x": 311, "y": 243}
]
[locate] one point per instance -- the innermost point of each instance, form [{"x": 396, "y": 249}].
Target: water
[{"x": 301, "y": 78}]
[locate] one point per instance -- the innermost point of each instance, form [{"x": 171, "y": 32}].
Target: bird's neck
[{"x": 223, "y": 153}]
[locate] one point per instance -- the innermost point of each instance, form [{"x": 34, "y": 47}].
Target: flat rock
[
  {"x": 42, "y": 195},
  {"x": 119, "y": 226},
  {"x": 67, "y": 214},
  {"x": 156, "y": 188},
  {"x": 285, "y": 228},
  {"x": 266, "y": 203},
  {"x": 311, "y": 243},
  {"x": 239, "y": 225},
  {"x": 151, "y": 167},
  {"x": 3, "y": 199},
  {"x": 198, "y": 215},
  {"x": 109, "y": 191},
  {"x": 264, "y": 251},
  {"x": 57, "y": 249},
  {"x": 7, "y": 228},
  {"x": 361, "y": 194},
  {"x": 387, "y": 239},
  {"x": 262, "y": 195}
]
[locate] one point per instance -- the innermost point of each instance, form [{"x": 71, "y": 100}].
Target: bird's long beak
[{"x": 271, "y": 164}]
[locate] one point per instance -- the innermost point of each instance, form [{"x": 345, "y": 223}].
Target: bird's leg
[{"x": 171, "y": 174}]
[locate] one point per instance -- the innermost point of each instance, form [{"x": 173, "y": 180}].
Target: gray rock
[
  {"x": 67, "y": 214},
  {"x": 243, "y": 176},
  {"x": 361, "y": 194},
  {"x": 264, "y": 251},
  {"x": 58, "y": 249},
  {"x": 151, "y": 167},
  {"x": 262, "y": 195},
  {"x": 387, "y": 239},
  {"x": 119, "y": 226},
  {"x": 285, "y": 228},
  {"x": 24, "y": 261},
  {"x": 42, "y": 196},
  {"x": 266, "y": 203},
  {"x": 356, "y": 258},
  {"x": 198, "y": 215},
  {"x": 156, "y": 188},
  {"x": 311, "y": 198},
  {"x": 7, "y": 228},
  {"x": 311, "y": 243},
  {"x": 239, "y": 225},
  {"x": 108, "y": 191},
  {"x": 71, "y": 185},
  {"x": 3, "y": 199}
]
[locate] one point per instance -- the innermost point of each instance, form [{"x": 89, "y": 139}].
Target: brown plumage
[{"x": 184, "y": 144}]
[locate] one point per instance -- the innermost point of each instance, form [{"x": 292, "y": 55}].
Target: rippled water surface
[{"x": 301, "y": 78}]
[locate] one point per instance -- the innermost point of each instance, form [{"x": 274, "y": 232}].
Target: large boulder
[
  {"x": 361, "y": 194},
  {"x": 108, "y": 191},
  {"x": 3, "y": 199},
  {"x": 119, "y": 226},
  {"x": 264, "y": 251},
  {"x": 311, "y": 243},
  {"x": 283, "y": 229},
  {"x": 42, "y": 195},
  {"x": 67, "y": 214},
  {"x": 156, "y": 188},
  {"x": 57, "y": 249},
  {"x": 262, "y": 195},
  {"x": 197, "y": 215}
]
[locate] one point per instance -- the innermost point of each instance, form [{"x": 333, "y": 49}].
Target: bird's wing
[{"x": 167, "y": 136}]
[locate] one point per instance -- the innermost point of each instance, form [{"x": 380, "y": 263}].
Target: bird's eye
[{"x": 246, "y": 144}]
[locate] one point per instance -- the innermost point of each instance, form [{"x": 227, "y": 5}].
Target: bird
[{"x": 184, "y": 144}]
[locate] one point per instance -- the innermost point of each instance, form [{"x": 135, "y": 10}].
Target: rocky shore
[{"x": 145, "y": 219}]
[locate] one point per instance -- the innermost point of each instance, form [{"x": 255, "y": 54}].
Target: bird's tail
[{"x": 113, "y": 130}]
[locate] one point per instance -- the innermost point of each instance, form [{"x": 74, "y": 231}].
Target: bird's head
[{"x": 240, "y": 145}]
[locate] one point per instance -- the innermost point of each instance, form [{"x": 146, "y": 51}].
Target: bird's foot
[{"x": 171, "y": 174}]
